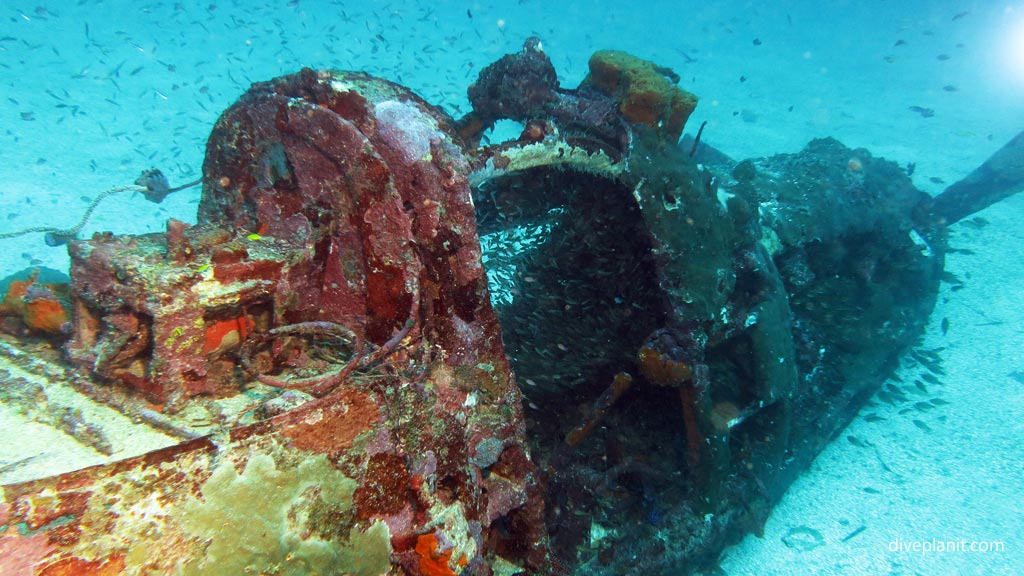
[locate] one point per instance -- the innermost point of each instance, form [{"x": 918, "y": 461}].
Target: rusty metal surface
[{"x": 336, "y": 255}]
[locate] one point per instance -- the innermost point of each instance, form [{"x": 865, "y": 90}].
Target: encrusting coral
[{"x": 260, "y": 521}]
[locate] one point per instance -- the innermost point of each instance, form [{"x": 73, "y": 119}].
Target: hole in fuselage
[{"x": 571, "y": 276}]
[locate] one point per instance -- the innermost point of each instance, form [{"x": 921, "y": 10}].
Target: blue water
[{"x": 94, "y": 92}]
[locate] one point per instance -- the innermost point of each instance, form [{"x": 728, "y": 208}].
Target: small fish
[
  {"x": 939, "y": 402},
  {"x": 944, "y": 326},
  {"x": 950, "y": 278},
  {"x": 871, "y": 490},
  {"x": 920, "y": 386},
  {"x": 930, "y": 379},
  {"x": 924, "y": 112},
  {"x": 899, "y": 43},
  {"x": 924, "y": 406},
  {"x": 960, "y": 15},
  {"x": 931, "y": 363},
  {"x": 977, "y": 223},
  {"x": 896, "y": 393},
  {"x": 874, "y": 418},
  {"x": 1017, "y": 375},
  {"x": 858, "y": 442},
  {"x": 942, "y": 57},
  {"x": 920, "y": 424},
  {"x": 886, "y": 397},
  {"x": 950, "y": 88}
]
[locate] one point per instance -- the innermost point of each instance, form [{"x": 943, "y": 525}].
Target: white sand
[{"x": 82, "y": 113}]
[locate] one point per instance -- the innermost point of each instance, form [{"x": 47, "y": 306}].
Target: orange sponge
[
  {"x": 41, "y": 307},
  {"x": 432, "y": 561},
  {"x": 644, "y": 91},
  {"x": 661, "y": 369}
]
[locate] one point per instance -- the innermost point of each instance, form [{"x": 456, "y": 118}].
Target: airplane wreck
[{"x": 385, "y": 348}]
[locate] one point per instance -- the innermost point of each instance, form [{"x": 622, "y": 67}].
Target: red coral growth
[
  {"x": 22, "y": 554},
  {"x": 43, "y": 509},
  {"x": 503, "y": 496},
  {"x": 385, "y": 488},
  {"x": 79, "y": 567},
  {"x": 331, "y": 428},
  {"x": 246, "y": 270}
]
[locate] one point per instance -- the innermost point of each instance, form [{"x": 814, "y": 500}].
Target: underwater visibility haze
[{"x": 511, "y": 287}]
